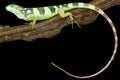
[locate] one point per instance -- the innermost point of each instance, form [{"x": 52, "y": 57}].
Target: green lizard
[{"x": 43, "y": 13}]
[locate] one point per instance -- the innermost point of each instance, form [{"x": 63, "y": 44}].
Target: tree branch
[{"x": 51, "y": 27}]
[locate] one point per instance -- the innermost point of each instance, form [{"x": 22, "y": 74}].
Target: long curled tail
[{"x": 92, "y": 7}]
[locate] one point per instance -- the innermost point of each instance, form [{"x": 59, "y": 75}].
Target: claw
[{"x": 71, "y": 20}]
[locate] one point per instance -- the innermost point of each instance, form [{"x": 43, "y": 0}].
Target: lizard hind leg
[{"x": 70, "y": 17}]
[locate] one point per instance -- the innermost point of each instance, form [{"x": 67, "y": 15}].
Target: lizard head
[{"x": 16, "y": 10}]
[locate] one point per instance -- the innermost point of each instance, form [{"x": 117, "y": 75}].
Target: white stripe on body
[
  {"x": 56, "y": 8},
  {"x": 70, "y": 5},
  {"x": 47, "y": 11},
  {"x": 36, "y": 12}
]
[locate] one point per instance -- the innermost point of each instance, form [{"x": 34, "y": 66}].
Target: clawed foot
[{"x": 71, "y": 20}]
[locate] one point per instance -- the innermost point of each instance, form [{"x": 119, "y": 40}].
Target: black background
[{"x": 81, "y": 51}]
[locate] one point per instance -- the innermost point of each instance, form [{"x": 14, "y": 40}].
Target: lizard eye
[{"x": 12, "y": 5}]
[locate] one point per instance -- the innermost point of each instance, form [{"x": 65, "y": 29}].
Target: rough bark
[{"x": 51, "y": 27}]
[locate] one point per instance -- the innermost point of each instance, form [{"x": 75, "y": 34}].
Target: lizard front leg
[{"x": 34, "y": 19}]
